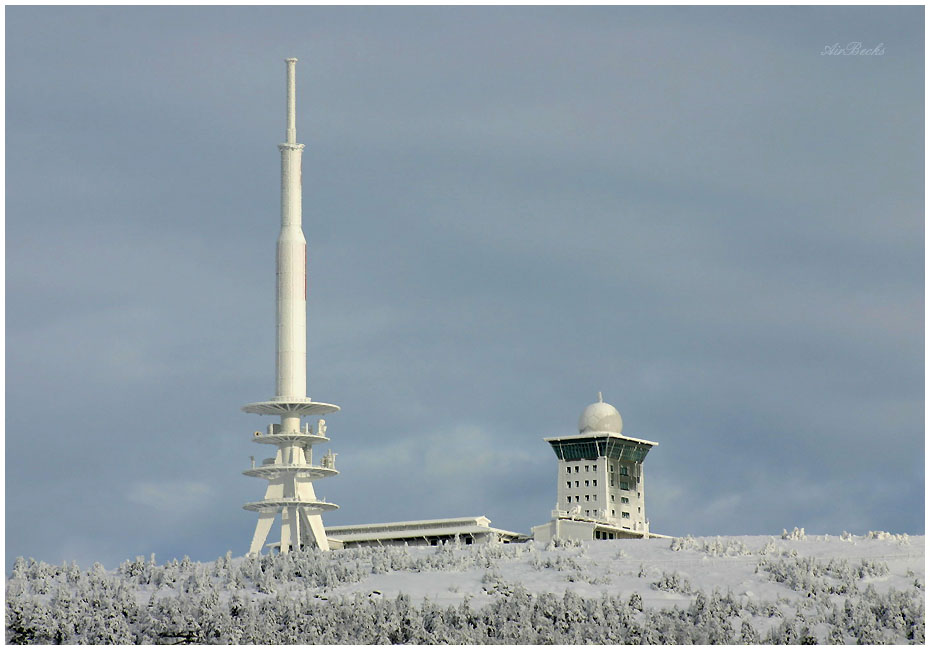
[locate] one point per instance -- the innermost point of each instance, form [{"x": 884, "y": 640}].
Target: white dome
[{"x": 600, "y": 416}]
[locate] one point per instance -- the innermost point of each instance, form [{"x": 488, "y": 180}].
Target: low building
[{"x": 428, "y": 532}]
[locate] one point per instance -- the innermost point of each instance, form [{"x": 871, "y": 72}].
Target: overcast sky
[{"x": 692, "y": 210}]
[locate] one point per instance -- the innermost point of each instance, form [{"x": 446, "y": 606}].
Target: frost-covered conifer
[{"x": 296, "y": 599}]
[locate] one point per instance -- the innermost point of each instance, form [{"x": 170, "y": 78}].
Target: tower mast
[{"x": 291, "y": 472}]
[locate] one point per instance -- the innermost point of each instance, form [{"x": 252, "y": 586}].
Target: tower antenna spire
[{"x": 290, "y": 135}]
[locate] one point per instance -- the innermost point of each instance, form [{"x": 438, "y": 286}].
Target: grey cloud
[{"x": 508, "y": 209}]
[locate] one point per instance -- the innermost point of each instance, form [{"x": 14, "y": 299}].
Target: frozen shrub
[
  {"x": 771, "y": 548},
  {"x": 563, "y": 543},
  {"x": 291, "y": 599},
  {"x": 716, "y": 547},
  {"x": 796, "y": 534},
  {"x": 748, "y": 634},
  {"x": 686, "y": 543},
  {"x": 673, "y": 582},
  {"x": 902, "y": 539}
]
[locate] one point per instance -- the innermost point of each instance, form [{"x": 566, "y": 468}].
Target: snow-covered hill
[{"x": 788, "y": 589}]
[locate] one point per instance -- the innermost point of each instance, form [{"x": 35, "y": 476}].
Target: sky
[{"x": 694, "y": 210}]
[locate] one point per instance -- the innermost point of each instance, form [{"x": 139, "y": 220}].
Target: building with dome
[{"x": 601, "y": 485}]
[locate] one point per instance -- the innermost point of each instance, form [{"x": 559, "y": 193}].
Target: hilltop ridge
[{"x": 793, "y": 588}]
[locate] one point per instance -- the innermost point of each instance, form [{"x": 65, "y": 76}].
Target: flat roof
[
  {"x": 601, "y": 434},
  {"x": 415, "y": 534},
  {"x": 419, "y": 528},
  {"x": 417, "y": 524}
]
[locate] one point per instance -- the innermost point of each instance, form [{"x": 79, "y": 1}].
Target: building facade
[{"x": 601, "y": 483}]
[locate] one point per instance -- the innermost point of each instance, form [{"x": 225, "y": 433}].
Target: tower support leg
[
  {"x": 261, "y": 532},
  {"x": 285, "y": 529},
  {"x": 315, "y": 523},
  {"x": 295, "y": 529}
]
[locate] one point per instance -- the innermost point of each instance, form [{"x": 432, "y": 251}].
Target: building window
[
  {"x": 595, "y": 497},
  {"x": 577, "y": 498},
  {"x": 613, "y": 513},
  {"x": 624, "y": 471},
  {"x": 611, "y": 481},
  {"x": 569, "y": 484},
  {"x": 586, "y": 468},
  {"x": 569, "y": 499},
  {"x": 639, "y": 510},
  {"x": 576, "y": 483},
  {"x": 611, "y": 498},
  {"x": 593, "y": 468},
  {"x": 595, "y": 482},
  {"x": 625, "y": 515},
  {"x": 587, "y": 497},
  {"x": 577, "y": 468},
  {"x": 624, "y": 485},
  {"x": 637, "y": 479},
  {"x": 587, "y": 512},
  {"x": 611, "y": 468},
  {"x": 586, "y": 483},
  {"x": 624, "y": 500},
  {"x": 568, "y": 470}
]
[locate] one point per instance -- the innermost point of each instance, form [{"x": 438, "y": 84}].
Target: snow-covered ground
[
  {"x": 791, "y": 588},
  {"x": 622, "y": 567}
]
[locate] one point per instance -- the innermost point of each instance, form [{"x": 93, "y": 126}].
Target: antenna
[
  {"x": 291, "y": 133},
  {"x": 600, "y": 398}
]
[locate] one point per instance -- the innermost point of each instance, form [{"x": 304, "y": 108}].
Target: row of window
[
  {"x": 613, "y": 513},
  {"x": 587, "y": 497},
  {"x": 593, "y": 497},
  {"x": 624, "y": 470},
  {"x": 624, "y": 485},
  {"x": 587, "y": 468},
  {"x": 593, "y": 483},
  {"x": 568, "y": 484}
]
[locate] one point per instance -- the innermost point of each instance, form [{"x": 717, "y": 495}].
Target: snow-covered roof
[
  {"x": 420, "y": 528},
  {"x": 475, "y": 521}
]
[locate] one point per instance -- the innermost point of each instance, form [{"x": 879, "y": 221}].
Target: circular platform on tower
[
  {"x": 274, "y": 505},
  {"x": 307, "y": 471},
  {"x": 295, "y": 437},
  {"x": 290, "y": 406}
]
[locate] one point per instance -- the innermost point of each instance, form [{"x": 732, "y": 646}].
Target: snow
[
  {"x": 715, "y": 589},
  {"x": 623, "y": 567}
]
